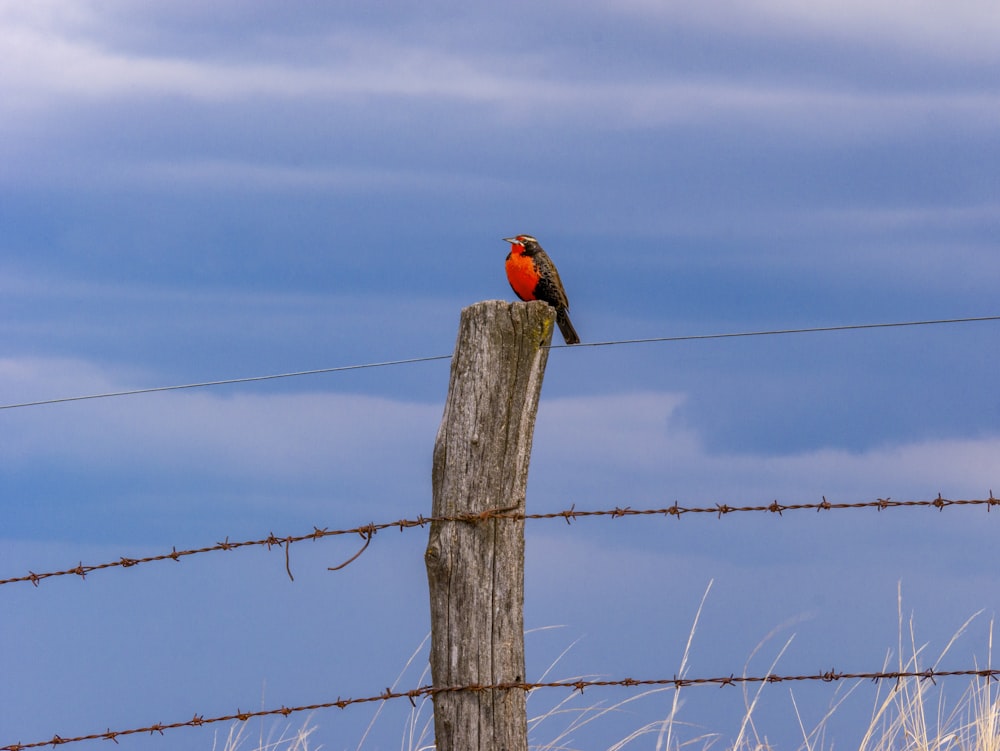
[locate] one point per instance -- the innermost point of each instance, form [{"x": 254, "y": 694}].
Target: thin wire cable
[
  {"x": 650, "y": 340},
  {"x": 815, "y": 330},
  {"x": 226, "y": 382}
]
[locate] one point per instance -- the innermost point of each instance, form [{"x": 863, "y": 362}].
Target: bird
[{"x": 533, "y": 276}]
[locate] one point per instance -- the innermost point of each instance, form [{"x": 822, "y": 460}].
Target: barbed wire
[
  {"x": 430, "y": 358},
  {"x": 367, "y": 531},
  {"x": 676, "y": 683}
]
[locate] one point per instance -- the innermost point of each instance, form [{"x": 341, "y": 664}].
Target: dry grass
[
  {"x": 910, "y": 715},
  {"x": 287, "y": 738},
  {"x": 913, "y": 715}
]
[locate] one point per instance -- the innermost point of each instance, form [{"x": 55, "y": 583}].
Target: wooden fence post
[{"x": 475, "y": 570}]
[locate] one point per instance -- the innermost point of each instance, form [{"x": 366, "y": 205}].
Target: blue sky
[{"x": 194, "y": 191}]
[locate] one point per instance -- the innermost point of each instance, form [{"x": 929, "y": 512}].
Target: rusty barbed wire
[
  {"x": 675, "y": 682},
  {"x": 367, "y": 531}
]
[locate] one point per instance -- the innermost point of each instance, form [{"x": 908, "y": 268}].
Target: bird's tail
[{"x": 566, "y": 327}]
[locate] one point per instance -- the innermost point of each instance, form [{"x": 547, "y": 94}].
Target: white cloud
[
  {"x": 60, "y": 63},
  {"x": 965, "y": 30},
  {"x": 304, "y": 451},
  {"x": 248, "y": 175},
  {"x": 633, "y": 448},
  {"x": 621, "y": 449},
  {"x": 313, "y": 434}
]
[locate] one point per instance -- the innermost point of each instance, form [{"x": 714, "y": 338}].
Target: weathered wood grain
[{"x": 476, "y": 570}]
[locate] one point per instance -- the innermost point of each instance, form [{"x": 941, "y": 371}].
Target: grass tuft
[{"x": 911, "y": 714}]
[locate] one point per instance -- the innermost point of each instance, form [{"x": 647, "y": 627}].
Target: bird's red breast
[{"x": 522, "y": 272}]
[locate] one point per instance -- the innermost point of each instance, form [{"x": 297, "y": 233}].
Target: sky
[{"x": 200, "y": 191}]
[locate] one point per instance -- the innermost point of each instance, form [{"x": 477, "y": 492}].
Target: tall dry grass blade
[
  {"x": 395, "y": 683},
  {"x": 668, "y": 723}
]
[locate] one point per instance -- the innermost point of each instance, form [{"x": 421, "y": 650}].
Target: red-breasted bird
[{"x": 533, "y": 276}]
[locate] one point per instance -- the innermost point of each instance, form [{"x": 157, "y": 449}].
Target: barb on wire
[
  {"x": 571, "y": 514},
  {"x": 675, "y": 682}
]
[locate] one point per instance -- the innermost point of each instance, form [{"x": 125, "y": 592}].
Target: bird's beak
[{"x": 511, "y": 240}]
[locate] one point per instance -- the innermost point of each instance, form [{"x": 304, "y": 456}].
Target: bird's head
[{"x": 525, "y": 241}]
